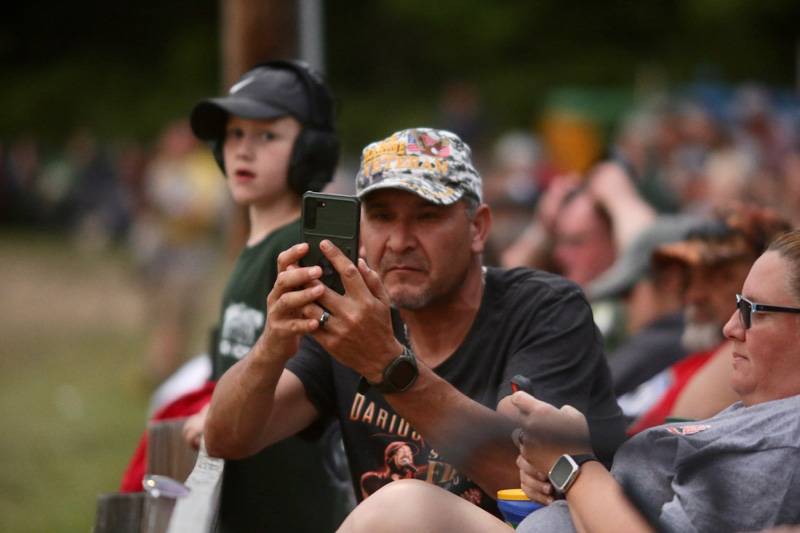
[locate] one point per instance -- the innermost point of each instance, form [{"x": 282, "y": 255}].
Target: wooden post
[
  {"x": 167, "y": 453},
  {"x": 119, "y": 513}
]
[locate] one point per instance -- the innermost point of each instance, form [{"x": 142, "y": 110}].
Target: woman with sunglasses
[{"x": 736, "y": 471}]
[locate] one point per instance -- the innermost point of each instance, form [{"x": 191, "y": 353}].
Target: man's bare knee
[{"x": 395, "y": 507}]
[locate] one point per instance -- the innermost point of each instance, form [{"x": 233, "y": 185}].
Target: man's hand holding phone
[
  {"x": 290, "y": 304},
  {"x": 359, "y": 331}
]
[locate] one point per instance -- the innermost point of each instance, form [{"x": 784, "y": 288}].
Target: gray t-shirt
[{"x": 737, "y": 471}]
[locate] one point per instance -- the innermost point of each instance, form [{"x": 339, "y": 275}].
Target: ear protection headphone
[{"x": 316, "y": 149}]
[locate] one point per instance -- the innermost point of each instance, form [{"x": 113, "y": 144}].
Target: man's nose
[{"x": 402, "y": 237}]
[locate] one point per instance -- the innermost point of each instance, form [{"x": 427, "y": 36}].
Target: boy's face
[{"x": 257, "y": 154}]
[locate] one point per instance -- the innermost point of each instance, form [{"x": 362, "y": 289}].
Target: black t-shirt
[
  {"x": 271, "y": 490},
  {"x": 244, "y": 301},
  {"x": 530, "y": 323}
]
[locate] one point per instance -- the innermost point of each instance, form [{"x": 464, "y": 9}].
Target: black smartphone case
[{"x": 335, "y": 217}]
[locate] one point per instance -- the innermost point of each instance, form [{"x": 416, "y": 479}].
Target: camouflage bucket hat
[{"x": 433, "y": 164}]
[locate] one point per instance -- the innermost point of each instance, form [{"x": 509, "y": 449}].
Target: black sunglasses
[{"x": 747, "y": 308}]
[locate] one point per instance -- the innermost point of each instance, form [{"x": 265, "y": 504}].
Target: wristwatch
[
  {"x": 566, "y": 469},
  {"x": 398, "y": 376}
]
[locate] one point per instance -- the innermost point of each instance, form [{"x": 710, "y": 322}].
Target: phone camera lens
[{"x": 322, "y": 204}]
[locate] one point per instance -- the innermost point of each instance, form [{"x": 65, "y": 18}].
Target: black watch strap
[
  {"x": 398, "y": 376},
  {"x": 584, "y": 458}
]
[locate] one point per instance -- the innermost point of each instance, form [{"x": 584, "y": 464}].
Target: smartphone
[{"x": 335, "y": 217}]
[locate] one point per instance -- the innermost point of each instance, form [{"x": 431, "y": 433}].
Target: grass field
[{"x": 72, "y": 396}]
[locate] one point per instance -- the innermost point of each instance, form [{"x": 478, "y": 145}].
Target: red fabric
[
  {"x": 186, "y": 405},
  {"x": 682, "y": 372}
]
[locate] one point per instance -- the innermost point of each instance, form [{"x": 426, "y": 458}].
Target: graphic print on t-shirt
[
  {"x": 405, "y": 453},
  {"x": 240, "y": 327},
  {"x": 398, "y": 463}
]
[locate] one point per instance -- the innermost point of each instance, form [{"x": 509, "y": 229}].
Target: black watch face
[
  {"x": 561, "y": 472},
  {"x": 402, "y": 374}
]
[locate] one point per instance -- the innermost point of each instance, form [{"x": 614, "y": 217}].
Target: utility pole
[
  {"x": 253, "y": 31},
  {"x": 311, "y": 30}
]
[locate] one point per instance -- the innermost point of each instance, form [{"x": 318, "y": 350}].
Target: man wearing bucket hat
[
  {"x": 653, "y": 297},
  {"x": 425, "y": 341},
  {"x": 716, "y": 257}
]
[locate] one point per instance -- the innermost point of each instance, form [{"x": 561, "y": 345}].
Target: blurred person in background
[
  {"x": 698, "y": 133},
  {"x": 578, "y": 231},
  {"x": 583, "y": 225},
  {"x": 95, "y": 205},
  {"x": 20, "y": 169},
  {"x": 460, "y": 110},
  {"x": 730, "y": 176},
  {"x": 652, "y": 295},
  {"x": 571, "y": 234},
  {"x": 511, "y": 189},
  {"x": 584, "y": 244},
  {"x": 757, "y": 128},
  {"x": 716, "y": 259},
  {"x": 534, "y": 246},
  {"x": 634, "y": 149},
  {"x": 131, "y": 163},
  {"x": 175, "y": 242}
]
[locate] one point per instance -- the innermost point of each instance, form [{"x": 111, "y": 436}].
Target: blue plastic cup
[{"x": 515, "y": 505}]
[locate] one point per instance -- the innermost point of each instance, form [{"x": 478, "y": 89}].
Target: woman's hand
[{"x": 544, "y": 434}]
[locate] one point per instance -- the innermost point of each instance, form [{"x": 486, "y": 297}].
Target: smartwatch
[
  {"x": 566, "y": 469},
  {"x": 398, "y": 376}
]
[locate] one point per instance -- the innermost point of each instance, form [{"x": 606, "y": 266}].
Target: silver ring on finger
[
  {"x": 324, "y": 318},
  {"x": 518, "y": 437}
]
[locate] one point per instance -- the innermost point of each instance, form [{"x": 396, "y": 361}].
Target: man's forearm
[
  {"x": 242, "y": 404},
  {"x": 472, "y": 437}
]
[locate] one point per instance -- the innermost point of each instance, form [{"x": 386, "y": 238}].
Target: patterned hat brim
[{"x": 421, "y": 187}]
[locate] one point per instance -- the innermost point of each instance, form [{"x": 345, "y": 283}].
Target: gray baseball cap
[
  {"x": 635, "y": 262},
  {"x": 261, "y": 93},
  {"x": 433, "y": 164}
]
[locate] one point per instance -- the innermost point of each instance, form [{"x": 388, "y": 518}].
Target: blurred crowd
[
  {"x": 568, "y": 195},
  {"x": 166, "y": 204},
  {"x": 659, "y": 229},
  {"x": 688, "y": 152}
]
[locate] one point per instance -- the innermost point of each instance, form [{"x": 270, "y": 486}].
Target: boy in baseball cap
[{"x": 273, "y": 136}]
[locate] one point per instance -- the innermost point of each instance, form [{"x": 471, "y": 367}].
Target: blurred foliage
[
  {"x": 126, "y": 67},
  {"x": 122, "y": 68}
]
